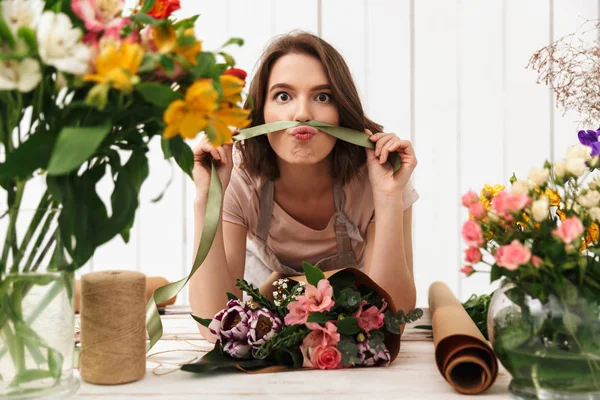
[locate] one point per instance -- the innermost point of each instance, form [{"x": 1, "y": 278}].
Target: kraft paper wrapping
[
  {"x": 152, "y": 283},
  {"x": 463, "y": 356}
]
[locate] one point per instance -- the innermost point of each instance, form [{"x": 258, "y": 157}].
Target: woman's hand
[
  {"x": 381, "y": 174},
  {"x": 204, "y": 153}
]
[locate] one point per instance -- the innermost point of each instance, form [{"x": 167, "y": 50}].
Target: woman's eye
[
  {"x": 324, "y": 97},
  {"x": 282, "y": 96}
]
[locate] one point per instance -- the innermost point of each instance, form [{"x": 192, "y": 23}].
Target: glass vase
[{"x": 551, "y": 348}]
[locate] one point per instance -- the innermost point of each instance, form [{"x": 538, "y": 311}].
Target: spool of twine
[{"x": 113, "y": 327}]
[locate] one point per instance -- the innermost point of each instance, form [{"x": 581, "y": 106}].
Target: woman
[{"x": 301, "y": 194}]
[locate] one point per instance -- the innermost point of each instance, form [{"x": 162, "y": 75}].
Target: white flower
[
  {"x": 493, "y": 216},
  {"x": 579, "y": 151},
  {"x": 590, "y": 199},
  {"x": 284, "y": 286},
  {"x": 520, "y": 187},
  {"x": 59, "y": 44},
  {"x": 576, "y": 166},
  {"x": 539, "y": 176},
  {"x": 23, "y": 75},
  {"x": 560, "y": 168},
  {"x": 22, "y": 13},
  {"x": 595, "y": 213},
  {"x": 540, "y": 208}
]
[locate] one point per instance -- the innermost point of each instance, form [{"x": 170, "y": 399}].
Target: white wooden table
[{"x": 413, "y": 375}]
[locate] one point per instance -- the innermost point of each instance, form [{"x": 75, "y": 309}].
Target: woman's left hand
[{"x": 381, "y": 173}]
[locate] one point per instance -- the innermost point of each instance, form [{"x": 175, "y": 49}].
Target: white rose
[
  {"x": 59, "y": 44},
  {"x": 540, "y": 208},
  {"x": 23, "y": 75},
  {"x": 22, "y": 13},
  {"x": 560, "y": 168},
  {"x": 520, "y": 187},
  {"x": 576, "y": 166},
  {"x": 539, "y": 176},
  {"x": 579, "y": 151},
  {"x": 595, "y": 213},
  {"x": 590, "y": 199}
]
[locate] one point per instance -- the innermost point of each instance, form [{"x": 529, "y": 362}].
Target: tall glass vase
[{"x": 36, "y": 308}]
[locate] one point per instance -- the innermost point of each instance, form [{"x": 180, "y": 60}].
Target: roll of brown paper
[
  {"x": 462, "y": 354},
  {"x": 113, "y": 327},
  {"x": 152, "y": 283}
]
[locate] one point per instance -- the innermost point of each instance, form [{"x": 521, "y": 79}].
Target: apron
[{"x": 259, "y": 274}]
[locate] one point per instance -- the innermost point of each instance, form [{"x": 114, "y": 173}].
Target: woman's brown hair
[{"x": 258, "y": 158}]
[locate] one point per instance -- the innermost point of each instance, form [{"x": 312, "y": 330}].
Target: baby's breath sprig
[{"x": 284, "y": 294}]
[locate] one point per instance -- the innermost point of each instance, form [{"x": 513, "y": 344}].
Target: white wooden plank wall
[{"x": 449, "y": 75}]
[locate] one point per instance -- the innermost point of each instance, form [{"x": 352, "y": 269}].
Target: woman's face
[{"x": 298, "y": 90}]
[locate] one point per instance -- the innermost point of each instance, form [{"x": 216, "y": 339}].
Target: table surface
[{"x": 413, "y": 375}]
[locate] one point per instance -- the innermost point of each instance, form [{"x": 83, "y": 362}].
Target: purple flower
[
  {"x": 215, "y": 325},
  {"x": 263, "y": 325},
  {"x": 234, "y": 322},
  {"x": 590, "y": 138},
  {"x": 370, "y": 358},
  {"x": 237, "y": 349}
]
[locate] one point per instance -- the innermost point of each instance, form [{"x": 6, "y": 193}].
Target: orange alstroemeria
[
  {"x": 165, "y": 40},
  {"x": 224, "y": 118},
  {"x": 232, "y": 89},
  {"x": 117, "y": 65},
  {"x": 190, "y": 116}
]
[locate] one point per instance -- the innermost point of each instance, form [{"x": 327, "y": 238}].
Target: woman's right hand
[{"x": 204, "y": 153}]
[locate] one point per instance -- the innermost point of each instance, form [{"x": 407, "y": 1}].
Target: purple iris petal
[
  {"x": 588, "y": 137},
  {"x": 595, "y": 149}
]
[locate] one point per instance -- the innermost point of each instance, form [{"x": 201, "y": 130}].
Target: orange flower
[
  {"x": 488, "y": 193},
  {"x": 163, "y": 8}
]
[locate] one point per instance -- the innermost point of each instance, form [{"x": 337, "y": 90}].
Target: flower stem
[{"x": 10, "y": 236}]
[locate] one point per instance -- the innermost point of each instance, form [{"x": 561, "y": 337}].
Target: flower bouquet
[
  {"x": 541, "y": 239},
  {"x": 84, "y": 90},
  {"x": 313, "y": 321}
]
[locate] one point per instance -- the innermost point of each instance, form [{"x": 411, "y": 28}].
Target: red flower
[
  {"x": 240, "y": 73},
  {"x": 163, "y": 8}
]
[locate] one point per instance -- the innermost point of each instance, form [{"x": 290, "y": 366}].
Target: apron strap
[{"x": 265, "y": 212}]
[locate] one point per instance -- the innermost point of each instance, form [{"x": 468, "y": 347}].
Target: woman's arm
[
  {"x": 222, "y": 266},
  {"x": 388, "y": 251}
]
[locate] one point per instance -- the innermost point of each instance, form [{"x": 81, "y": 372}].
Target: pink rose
[
  {"x": 536, "y": 261},
  {"x": 512, "y": 255},
  {"x": 322, "y": 357},
  {"x": 472, "y": 255},
  {"x": 470, "y": 198},
  {"x": 371, "y": 318},
  {"x": 569, "y": 230},
  {"x": 477, "y": 210},
  {"x": 315, "y": 299},
  {"x": 471, "y": 233},
  {"x": 467, "y": 270},
  {"x": 323, "y": 336},
  {"x": 506, "y": 203}
]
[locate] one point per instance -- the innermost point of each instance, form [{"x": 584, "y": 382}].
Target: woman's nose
[{"x": 303, "y": 112}]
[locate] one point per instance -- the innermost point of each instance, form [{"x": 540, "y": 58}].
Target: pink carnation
[
  {"x": 506, "y": 203},
  {"x": 467, "y": 270},
  {"x": 472, "y": 255},
  {"x": 477, "y": 210},
  {"x": 471, "y": 233},
  {"x": 512, "y": 255},
  {"x": 470, "y": 198},
  {"x": 315, "y": 299},
  {"x": 569, "y": 230},
  {"x": 371, "y": 318}
]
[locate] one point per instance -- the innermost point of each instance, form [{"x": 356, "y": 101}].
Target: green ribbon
[{"x": 213, "y": 211}]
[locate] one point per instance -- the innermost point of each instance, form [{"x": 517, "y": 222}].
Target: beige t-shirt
[{"x": 293, "y": 242}]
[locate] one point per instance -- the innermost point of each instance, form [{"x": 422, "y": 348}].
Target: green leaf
[
  {"x": 348, "y": 326},
  {"x": 391, "y": 322},
  {"x": 184, "y": 157},
  {"x": 55, "y": 362},
  {"x": 202, "y": 321},
  {"x": 319, "y": 317},
  {"x": 376, "y": 340},
  {"x": 341, "y": 280},
  {"x": 512, "y": 336},
  {"x": 28, "y": 36},
  {"x": 313, "y": 274},
  {"x": 205, "y": 61},
  {"x": 231, "y": 296},
  {"x": 186, "y": 23},
  {"x": 75, "y": 146},
  {"x": 228, "y": 58},
  {"x": 216, "y": 361},
  {"x": 157, "y": 94},
  {"x": 495, "y": 273},
  {"x": 28, "y": 157},
  {"x": 148, "y": 5},
  {"x": 165, "y": 145},
  {"x": 351, "y": 298},
  {"x": 290, "y": 357},
  {"x": 187, "y": 40},
  {"x": 349, "y": 349},
  {"x": 167, "y": 63},
  {"x": 234, "y": 40}
]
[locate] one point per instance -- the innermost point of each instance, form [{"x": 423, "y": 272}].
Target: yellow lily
[
  {"x": 488, "y": 193},
  {"x": 117, "y": 66},
  {"x": 165, "y": 40},
  {"x": 224, "y": 118},
  {"x": 232, "y": 88},
  {"x": 190, "y": 116}
]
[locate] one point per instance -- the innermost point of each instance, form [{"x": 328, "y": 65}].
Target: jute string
[{"x": 113, "y": 329}]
